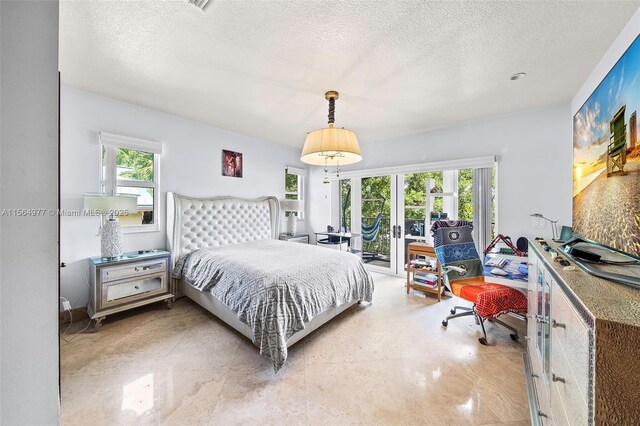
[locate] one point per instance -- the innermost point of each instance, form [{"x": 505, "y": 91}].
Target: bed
[{"x": 226, "y": 257}]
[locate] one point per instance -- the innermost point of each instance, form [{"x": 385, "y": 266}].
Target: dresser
[
  {"x": 133, "y": 280},
  {"x": 582, "y": 363}
]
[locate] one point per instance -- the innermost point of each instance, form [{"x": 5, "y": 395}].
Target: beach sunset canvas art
[{"x": 606, "y": 159}]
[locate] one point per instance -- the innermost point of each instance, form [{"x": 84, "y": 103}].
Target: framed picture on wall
[{"x": 231, "y": 163}]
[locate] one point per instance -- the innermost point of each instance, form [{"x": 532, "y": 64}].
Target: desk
[
  {"x": 516, "y": 278},
  {"x": 338, "y": 240}
]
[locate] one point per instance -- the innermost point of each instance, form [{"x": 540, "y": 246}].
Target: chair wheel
[
  {"x": 514, "y": 336},
  {"x": 453, "y": 311},
  {"x": 445, "y": 323},
  {"x": 483, "y": 341}
]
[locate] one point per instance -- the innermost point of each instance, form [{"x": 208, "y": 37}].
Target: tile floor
[{"x": 388, "y": 363}]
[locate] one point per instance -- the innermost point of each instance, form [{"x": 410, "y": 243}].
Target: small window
[
  {"x": 344, "y": 186},
  {"x": 132, "y": 166},
  {"x": 294, "y": 186}
]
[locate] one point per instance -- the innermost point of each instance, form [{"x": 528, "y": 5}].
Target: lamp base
[
  {"x": 292, "y": 224},
  {"x": 111, "y": 241}
]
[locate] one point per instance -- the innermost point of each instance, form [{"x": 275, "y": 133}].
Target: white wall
[
  {"x": 534, "y": 170},
  {"x": 190, "y": 165},
  {"x": 619, "y": 46},
  {"x": 28, "y": 244}
]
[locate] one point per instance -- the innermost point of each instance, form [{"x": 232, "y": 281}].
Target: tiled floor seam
[{"x": 393, "y": 398}]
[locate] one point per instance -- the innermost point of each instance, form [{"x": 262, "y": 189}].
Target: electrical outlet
[
  {"x": 66, "y": 305},
  {"x": 538, "y": 223}
]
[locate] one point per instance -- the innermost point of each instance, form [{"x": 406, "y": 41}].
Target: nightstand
[
  {"x": 297, "y": 238},
  {"x": 133, "y": 280}
]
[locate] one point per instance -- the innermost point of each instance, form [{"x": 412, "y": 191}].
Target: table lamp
[
  {"x": 111, "y": 239},
  {"x": 554, "y": 230},
  {"x": 293, "y": 207}
]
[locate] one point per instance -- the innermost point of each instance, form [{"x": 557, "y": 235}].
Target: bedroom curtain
[{"x": 482, "y": 202}]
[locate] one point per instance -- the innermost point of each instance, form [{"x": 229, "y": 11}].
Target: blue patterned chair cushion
[{"x": 454, "y": 246}]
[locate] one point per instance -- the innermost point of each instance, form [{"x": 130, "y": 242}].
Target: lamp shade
[
  {"x": 331, "y": 146},
  {"x": 105, "y": 204},
  {"x": 290, "y": 205},
  {"x": 111, "y": 238}
]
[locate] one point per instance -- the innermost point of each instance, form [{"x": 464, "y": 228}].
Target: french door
[
  {"x": 393, "y": 210},
  {"x": 375, "y": 214}
]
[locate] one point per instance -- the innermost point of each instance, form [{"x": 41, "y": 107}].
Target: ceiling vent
[{"x": 201, "y": 4}]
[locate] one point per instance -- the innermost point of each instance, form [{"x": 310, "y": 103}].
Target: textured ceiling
[{"x": 261, "y": 68}]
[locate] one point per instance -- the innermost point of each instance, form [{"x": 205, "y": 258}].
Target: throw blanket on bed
[{"x": 276, "y": 286}]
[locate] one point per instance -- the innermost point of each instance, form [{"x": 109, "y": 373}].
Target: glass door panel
[
  {"x": 378, "y": 244},
  {"x": 391, "y": 211},
  {"x": 428, "y": 197},
  {"x": 465, "y": 194},
  {"x": 416, "y": 222}
]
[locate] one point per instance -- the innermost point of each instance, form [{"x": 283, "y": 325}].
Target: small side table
[
  {"x": 297, "y": 238},
  {"x": 420, "y": 249},
  {"x": 133, "y": 280},
  {"x": 339, "y": 240}
]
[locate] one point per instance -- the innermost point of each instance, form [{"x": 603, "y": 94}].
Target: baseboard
[{"x": 78, "y": 314}]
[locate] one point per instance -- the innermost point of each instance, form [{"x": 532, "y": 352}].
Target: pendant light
[{"x": 331, "y": 146}]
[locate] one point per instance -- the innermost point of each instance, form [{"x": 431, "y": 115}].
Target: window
[
  {"x": 132, "y": 166},
  {"x": 294, "y": 186},
  {"x": 344, "y": 186}
]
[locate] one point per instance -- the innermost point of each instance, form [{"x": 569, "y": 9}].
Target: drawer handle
[
  {"x": 556, "y": 324},
  {"x": 527, "y": 338},
  {"x": 541, "y": 319},
  {"x": 555, "y": 378},
  {"x": 136, "y": 287},
  {"x": 136, "y": 269},
  {"x": 535, "y": 376},
  {"x": 529, "y": 263},
  {"x": 542, "y": 414}
]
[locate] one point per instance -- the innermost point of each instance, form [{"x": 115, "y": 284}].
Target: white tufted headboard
[{"x": 194, "y": 223}]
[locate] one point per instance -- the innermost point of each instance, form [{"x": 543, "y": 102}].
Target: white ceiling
[{"x": 261, "y": 67}]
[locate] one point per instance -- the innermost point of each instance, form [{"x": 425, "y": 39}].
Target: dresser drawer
[
  {"x": 544, "y": 406},
  {"x": 571, "y": 337},
  {"x": 558, "y": 412},
  {"x": 566, "y": 386},
  {"x": 122, "y": 292},
  {"x": 132, "y": 270}
]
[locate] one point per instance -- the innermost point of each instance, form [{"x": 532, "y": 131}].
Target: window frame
[
  {"x": 300, "y": 173},
  {"x": 111, "y": 143}
]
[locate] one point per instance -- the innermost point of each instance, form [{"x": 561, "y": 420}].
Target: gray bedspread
[{"x": 275, "y": 287}]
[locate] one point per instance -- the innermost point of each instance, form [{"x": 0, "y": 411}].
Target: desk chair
[{"x": 462, "y": 274}]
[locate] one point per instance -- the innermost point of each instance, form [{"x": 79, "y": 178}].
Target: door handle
[
  {"x": 399, "y": 231},
  {"x": 541, "y": 319},
  {"x": 394, "y": 231}
]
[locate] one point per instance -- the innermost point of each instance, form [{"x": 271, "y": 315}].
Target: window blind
[{"x": 119, "y": 141}]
